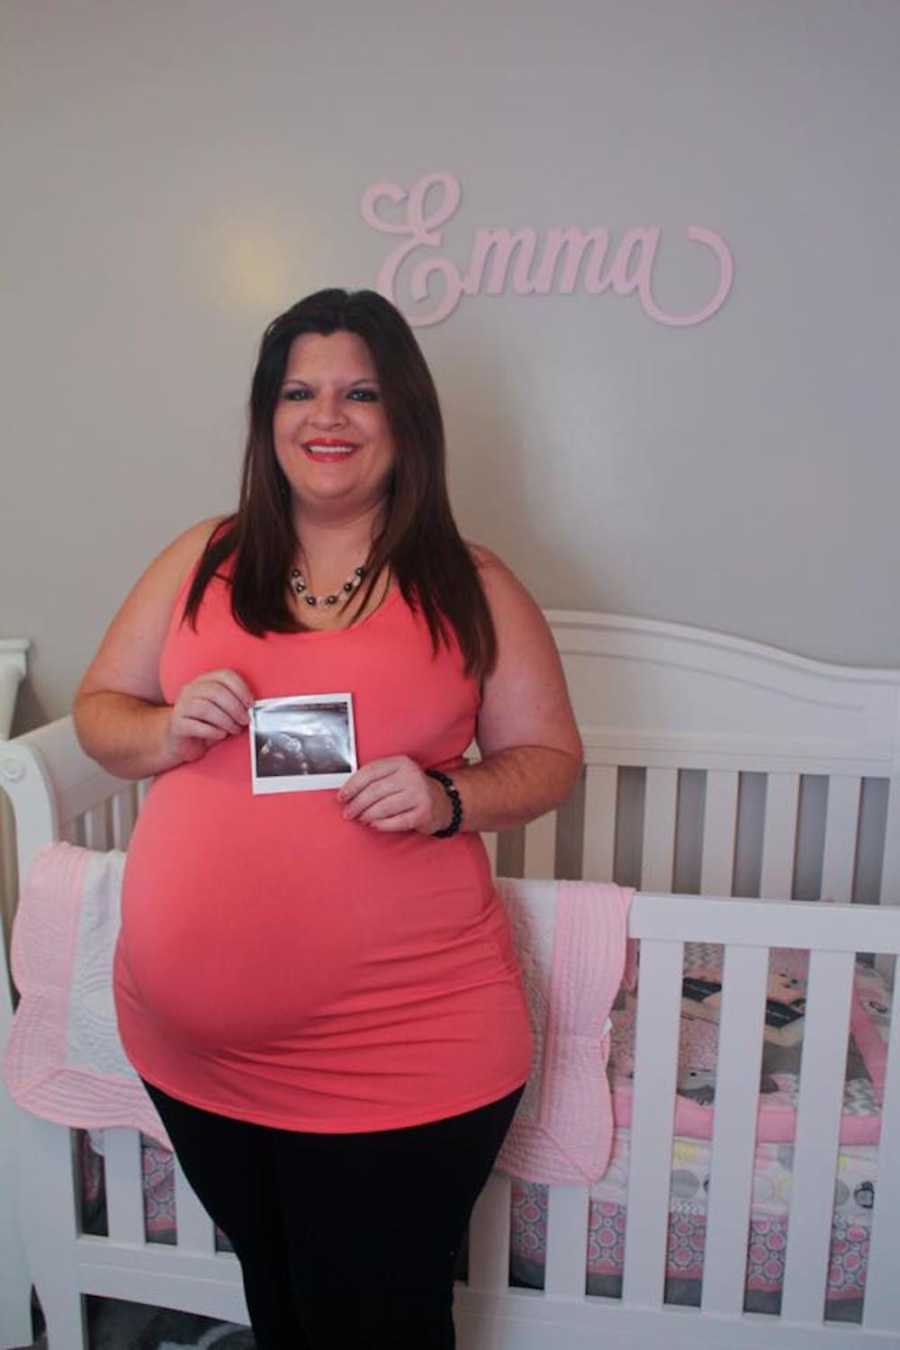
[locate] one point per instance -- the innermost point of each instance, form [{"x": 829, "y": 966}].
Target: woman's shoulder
[
  {"x": 194, "y": 539},
  {"x": 135, "y": 638},
  {"x": 169, "y": 571},
  {"x": 496, "y": 576},
  {"x": 181, "y": 556},
  {"x": 489, "y": 564},
  {"x": 511, "y": 604}
]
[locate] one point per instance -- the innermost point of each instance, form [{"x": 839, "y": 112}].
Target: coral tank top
[{"x": 281, "y": 965}]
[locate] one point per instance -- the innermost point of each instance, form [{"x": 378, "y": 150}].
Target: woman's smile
[{"x": 329, "y": 452}]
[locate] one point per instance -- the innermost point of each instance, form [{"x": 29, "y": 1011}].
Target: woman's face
[{"x": 330, "y": 430}]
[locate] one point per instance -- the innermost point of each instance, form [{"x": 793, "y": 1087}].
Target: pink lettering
[
  {"x": 502, "y": 244},
  {"x": 643, "y": 243},
  {"x": 499, "y": 256},
  {"x": 697, "y": 235},
  {"x": 424, "y": 233},
  {"x": 571, "y": 244}
]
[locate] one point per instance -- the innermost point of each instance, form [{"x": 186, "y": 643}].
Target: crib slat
[
  {"x": 72, "y": 831},
  {"x": 540, "y": 848},
  {"x": 890, "y": 867},
  {"x": 653, "y": 1112},
  {"x": 489, "y": 1230},
  {"x": 841, "y": 825},
  {"x": 124, "y": 1198},
  {"x": 719, "y": 828},
  {"x": 600, "y": 791},
  {"x": 51, "y": 1224},
  {"x": 567, "y": 1241},
  {"x": 881, "y": 1310},
  {"x": 737, "y": 1086},
  {"x": 143, "y": 787},
  {"x": 96, "y": 827},
  {"x": 194, "y": 1227},
  {"x": 658, "y": 857},
  {"x": 123, "y": 814},
  {"x": 780, "y": 835},
  {"x": 490, "y": 847},
  {"x": 818, "y": 1128}
]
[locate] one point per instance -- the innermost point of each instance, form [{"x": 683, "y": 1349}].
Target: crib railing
[
  {"x": 763, "y": 805},
  {"x": 125, "y": 1262},
  {"x": 664, "y": 923}
]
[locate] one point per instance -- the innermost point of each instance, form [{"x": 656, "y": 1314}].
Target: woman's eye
[{"x": 364, "y": 395}]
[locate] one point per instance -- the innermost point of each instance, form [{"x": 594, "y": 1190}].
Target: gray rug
[{"x": 115, "y": 1325}]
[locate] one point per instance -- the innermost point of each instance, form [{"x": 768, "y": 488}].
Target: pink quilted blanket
[
  {"x": 571, "y": 943},
  {"x": 63, "y": 1059}
]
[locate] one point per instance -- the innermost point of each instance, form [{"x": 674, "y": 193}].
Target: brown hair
[{"x": 419, "y": 540}]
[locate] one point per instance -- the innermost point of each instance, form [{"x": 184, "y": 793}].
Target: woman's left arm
[{"x": 530, "y": 746}]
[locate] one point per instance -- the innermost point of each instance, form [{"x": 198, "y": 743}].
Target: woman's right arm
[{"x": 121, "y": 717}]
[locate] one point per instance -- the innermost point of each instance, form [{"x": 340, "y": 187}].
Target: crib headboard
[
  {"x": 712, "y": 765},
  {"x": 721, "y": 766}
]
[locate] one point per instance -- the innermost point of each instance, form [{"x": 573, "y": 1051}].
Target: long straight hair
[{"x": 419, "y": 541}]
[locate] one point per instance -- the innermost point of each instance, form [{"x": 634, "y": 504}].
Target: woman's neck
[{"x": 331, "y": 549}]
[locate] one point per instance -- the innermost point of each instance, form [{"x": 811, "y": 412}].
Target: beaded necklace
[{"x": 298, "y": 586}]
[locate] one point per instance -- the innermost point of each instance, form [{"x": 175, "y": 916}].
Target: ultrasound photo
[{"x": 302, "y": 743}]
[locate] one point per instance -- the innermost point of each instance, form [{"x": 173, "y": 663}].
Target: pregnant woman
[{"x": 318, "y": 988}]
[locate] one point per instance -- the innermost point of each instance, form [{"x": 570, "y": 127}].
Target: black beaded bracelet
[{"x": 455, "y": 801}]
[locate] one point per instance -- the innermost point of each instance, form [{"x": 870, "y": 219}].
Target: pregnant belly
[
  {"x": 219, "y": 971},
  {"x": 247, "y": 924}
]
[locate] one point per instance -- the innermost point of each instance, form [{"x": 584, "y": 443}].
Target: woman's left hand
[{"x": 395, "y": 794}]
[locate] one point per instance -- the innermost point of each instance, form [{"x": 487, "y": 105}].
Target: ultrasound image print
[{"x": 302, "y": 738}]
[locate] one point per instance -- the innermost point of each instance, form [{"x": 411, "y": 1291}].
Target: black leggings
[{"x": 343, "y": 1239}]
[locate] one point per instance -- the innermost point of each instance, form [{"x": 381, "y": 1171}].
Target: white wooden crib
[{"x": 713, "y": 765}]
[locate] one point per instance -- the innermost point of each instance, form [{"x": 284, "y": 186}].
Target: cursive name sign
[{"x": 555, "y": 262}]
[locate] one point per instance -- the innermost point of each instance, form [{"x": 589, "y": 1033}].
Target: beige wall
[{"x": 174, "y": 173}]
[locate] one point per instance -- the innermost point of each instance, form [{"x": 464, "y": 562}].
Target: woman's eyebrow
[{"x": 362, "y": 379}]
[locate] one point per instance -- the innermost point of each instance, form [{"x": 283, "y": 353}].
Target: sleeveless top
[{"x": 281, "y": 965}]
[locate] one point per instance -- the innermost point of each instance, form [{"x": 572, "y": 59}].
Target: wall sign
[{"x": 557, "y": 261}]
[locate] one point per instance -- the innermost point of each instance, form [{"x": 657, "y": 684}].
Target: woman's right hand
[{"x": 207, "y": 710}]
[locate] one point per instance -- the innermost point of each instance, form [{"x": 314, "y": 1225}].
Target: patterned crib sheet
[{"x": 854, "y": 1196}]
